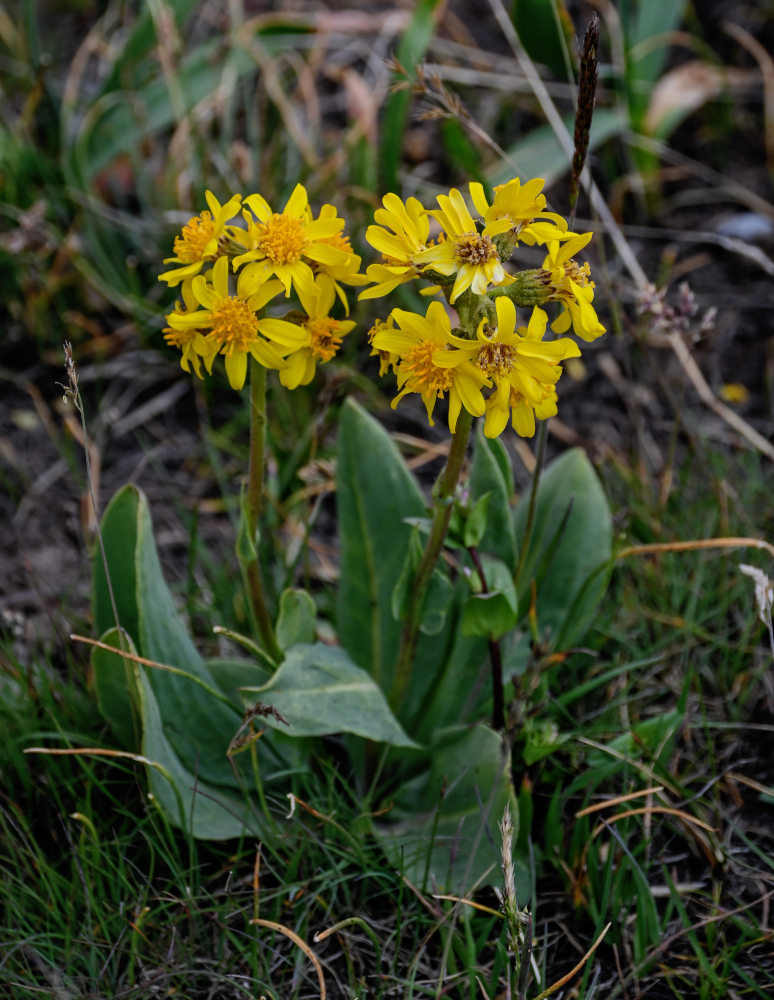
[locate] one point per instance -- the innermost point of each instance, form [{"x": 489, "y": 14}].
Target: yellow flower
[
  {"x": 324, "y": 334},
  {"x": 190, "y": 341},
  {"x": 519, "y": 211},
  {"x": 402, "y": 232},
  {"x": 521, "y": 365},
  {"x": 429, "y": 365},
  {"x": 471, "y": 255},
  {"x": 386, "y": 358},
  {"x": 201, "y": 239},
  {"x": 283, "y": 243},
  {"x": 523, "y": 412},
  {"x": 345, "y": 267},
  {"x": 524, "y": 368},
  {"x": 570, "y": 284},
  {"x": 234, "y": 328}
]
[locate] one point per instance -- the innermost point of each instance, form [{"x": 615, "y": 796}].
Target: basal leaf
[
  {"x": 209, "y": 811},
  {"x": 113, "y": 680},
  {"x": 569, "y": 550},
  {"x": 196, "y": 721},
  {"x": 487, "y": 476},
  {"x": 375, "y": 494},
  {"x": 319, "y": 690},
  {"x": 442, "y": 828}
]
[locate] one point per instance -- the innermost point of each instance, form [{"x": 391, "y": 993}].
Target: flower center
[
  {"x": 339, "y": 241},
  {"x": 472, "y": 248},
  {"x": 234, "y": 325},
  {"x": 282, "y": 239},
  {"x": 326, "y": 339},
  {"x": 496, "y": 359},
  {"x": 579, "y": 273},
  {"x": 196, "y": 234},
  {"x": 177, "y": 338},
  {"x": 423, "y": 375}
]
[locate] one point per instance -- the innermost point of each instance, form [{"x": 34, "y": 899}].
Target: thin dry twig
[
  {"x": 702, "y": 543},
  {"x": 300, "y": 943}
]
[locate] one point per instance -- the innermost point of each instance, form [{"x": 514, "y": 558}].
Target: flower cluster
[
  {"x": 228, "y": 273},
  {"x": 236, "y": 260},
  {"x": 489, "y": 364}
]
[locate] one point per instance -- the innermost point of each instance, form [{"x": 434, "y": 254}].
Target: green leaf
[
  {"x": 375, "y": 493},
  {"x": 113, "y": 680},
  {"x": 491, "y": 473},
  {"x": 569, "y": 554},
  {"x": 442, "y": 828},
  {"x": 541, "y": 739},
  {"x": 400, "y": 596},
  {"x": 437, "y": 600},
  {"x": 411, "y": 50},
  {"x": 492, "y": 614},
  {"x": 246, "y": 545},
  {"x": 545, "y": 29},
  {"x": 232, "y": 674},
  {"x": 119, "y": 536},
  {"x": 197, "y": 723},
  {"x": 540, "y": 154},
  {"x": 475, "y": 524},
  {"x": 464, "y": 154},
  {"x": 319, "y": 690},
  {"x": 297, "y": 619},
  {"x": 208, "y": 811}
]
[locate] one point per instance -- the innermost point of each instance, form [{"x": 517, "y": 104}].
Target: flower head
[
  {"x": 286, "y": 244},
  {"x": 201, "y": 239},
  {"x": 324, "y": 334},
  {"x": 464, "y": 252},
  {"x": 386, "y": 358},
  {"x": 523, "y": 367},
  {"x": 569, "y": 283},
  {"x": 402, "y": 232},
  {"x": 233, "y": 327},
  {"x": 190, "y": 341},
  {"x": 519, "y": 211},
  {"x": 343, "y": 265},
  {"x": 428, "y": 364}
]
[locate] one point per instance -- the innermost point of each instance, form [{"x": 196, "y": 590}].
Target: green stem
[
  {"x": 253, "y": 504},
  {"x": 443, "y": 496}
]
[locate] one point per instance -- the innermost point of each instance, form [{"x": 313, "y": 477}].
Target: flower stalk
[{"x": 253, "y": 504}]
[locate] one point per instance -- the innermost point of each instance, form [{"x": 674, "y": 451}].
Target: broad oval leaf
[
  {"x": 319, "y": 690},
  {"x": 196, "y": 721},
  {"x": 442, "y": 828},
  {"x": 114, "y": 685},
  {"x": 569, "y": 551},
  {"x": 375, "y": 493}
]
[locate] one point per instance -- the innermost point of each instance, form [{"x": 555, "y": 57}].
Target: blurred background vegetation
[{"x": 114, "y": 118}]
